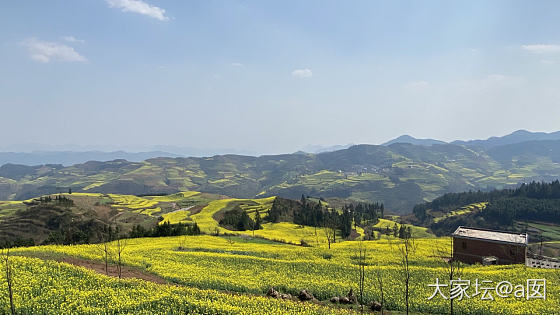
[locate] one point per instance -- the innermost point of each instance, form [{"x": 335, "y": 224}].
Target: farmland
[
  {"x": 47, "y": 287},
  {"x": 251, "y": 266},
  {"x": 230, "y": 271},
  {"x": 399, "y": 175}
]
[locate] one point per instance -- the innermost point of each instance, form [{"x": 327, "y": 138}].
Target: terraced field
[
  {"x": 184, "y": 207},
  {"x": 398, "y": 175},
  {"x": 461, "y": 211}
]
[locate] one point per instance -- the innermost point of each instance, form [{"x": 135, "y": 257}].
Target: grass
[{"x": 551, "y": 232}]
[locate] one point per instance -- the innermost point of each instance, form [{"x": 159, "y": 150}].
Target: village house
[{"x": 488, "y": 247}]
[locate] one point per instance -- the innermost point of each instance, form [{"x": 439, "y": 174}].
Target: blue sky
[{"x": 274, "y": 76}]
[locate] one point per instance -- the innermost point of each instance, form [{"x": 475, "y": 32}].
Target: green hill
[
  {"x": 399, "y": 175},
  {"x": 532, "y": 208}
]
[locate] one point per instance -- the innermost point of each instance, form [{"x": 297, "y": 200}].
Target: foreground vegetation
[
  {"x": 247, "y": 265},
  {"x": 48, "y": 287}
]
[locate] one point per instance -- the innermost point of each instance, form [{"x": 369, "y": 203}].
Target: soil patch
[
  {"x": 196, "y": 209},
  {"x": 127, "y": 272}
]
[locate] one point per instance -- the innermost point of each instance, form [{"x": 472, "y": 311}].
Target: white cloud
[
  {"x": 236, "y": 64},
  {"x": 302, "y": 73},
  {"x": 417, "y": 85},
  {"x": 43, "y": 51},
  {"x": 542, "y": 49},
  {"x": 72, "y": 39},
  {"x": 140, "y": 7}
]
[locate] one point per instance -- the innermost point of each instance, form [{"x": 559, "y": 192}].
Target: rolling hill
[
  {"x": 399, "y": 175},
  {"x": 411, "y": 140}
]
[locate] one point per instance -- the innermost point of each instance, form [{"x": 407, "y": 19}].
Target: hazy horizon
[
  {"x": 198, "y": 151},
  {"x": 265, "y": 78}
]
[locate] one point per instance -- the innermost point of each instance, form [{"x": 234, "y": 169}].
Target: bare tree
[
  {"x": 105, "y": 249},
  {"x": 453, "y": 267},
  {"x": 9, "y": 280},
  {"x": 106, "y": 255},
  {"x": 379, "y": 277},
  {"x": 330, "y": 232},
  {"x": 407, "y": 248},
  {"x": 120, "y": 245},
  {"x": 362, "y": 255}
]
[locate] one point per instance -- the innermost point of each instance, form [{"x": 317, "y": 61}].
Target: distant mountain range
[
  {"x": 411, "y": 140},
  {"x": 73, "y": 157},
  {"x": 399, "y": 174},
  {"x": 518, "y": 136},
  {"x": 69, "y": 155},
  {"x": 512, "y": 138}
]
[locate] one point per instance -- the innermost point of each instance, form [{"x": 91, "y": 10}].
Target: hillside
[
  {"x": 518, "y": 136},
  {"x": 89, "y": 217},
  {"x": 532, "y": 208},
  {"x": 93, "y": 217},
  {"x": 411, "y": 140},
  {"x": 399, "y": 175},
  {"x": 74, "y": 157}
]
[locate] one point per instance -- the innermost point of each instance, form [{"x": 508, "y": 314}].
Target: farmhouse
[{"x": 472, "y": 245}]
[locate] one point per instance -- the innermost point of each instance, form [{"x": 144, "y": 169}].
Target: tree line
[
  {"x": 238, "y": 219},
  {"x": 165, "y": 229},
  {"x": 529, "y": 199}
]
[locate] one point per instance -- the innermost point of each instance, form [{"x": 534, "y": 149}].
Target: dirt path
[
  {"x": 133, "y": 273},
  {"x": 127, "y": 272}
]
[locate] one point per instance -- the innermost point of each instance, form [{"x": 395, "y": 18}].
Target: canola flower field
[
  {"x": 246, "y": 265},
  {"x": 47, "y": 287},
  {"x": 205, "y": 270}
]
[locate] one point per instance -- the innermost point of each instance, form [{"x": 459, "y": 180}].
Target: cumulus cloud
[
  {"x": 140, "y": 7},
  {"x": 542, "y": 49},
  {"x": 43, "y": 51},
  {"x": 302, "y": 73},
  {"x": 72, "y": 39}
]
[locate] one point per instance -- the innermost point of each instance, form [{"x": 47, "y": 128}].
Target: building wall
[{"x": 473, "y": 251}]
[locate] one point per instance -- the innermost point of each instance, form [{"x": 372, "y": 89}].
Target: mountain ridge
[{"x": 400, "y": 175}]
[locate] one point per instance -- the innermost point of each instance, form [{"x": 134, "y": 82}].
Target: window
[
  {"x": 464, "y": 245},
  {"x": 512, "y": 251}
]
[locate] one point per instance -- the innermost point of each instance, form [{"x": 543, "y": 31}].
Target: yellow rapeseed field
[{"x": 253, "y": 266}]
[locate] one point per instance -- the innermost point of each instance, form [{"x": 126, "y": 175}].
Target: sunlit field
[{"x": 253, "y": 266}]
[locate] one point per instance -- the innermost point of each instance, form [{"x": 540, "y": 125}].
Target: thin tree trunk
[
  {"x": 106, "y": 252},
  {"x": 119, "y": 260},
  {"x": 9, "y": 281}
]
